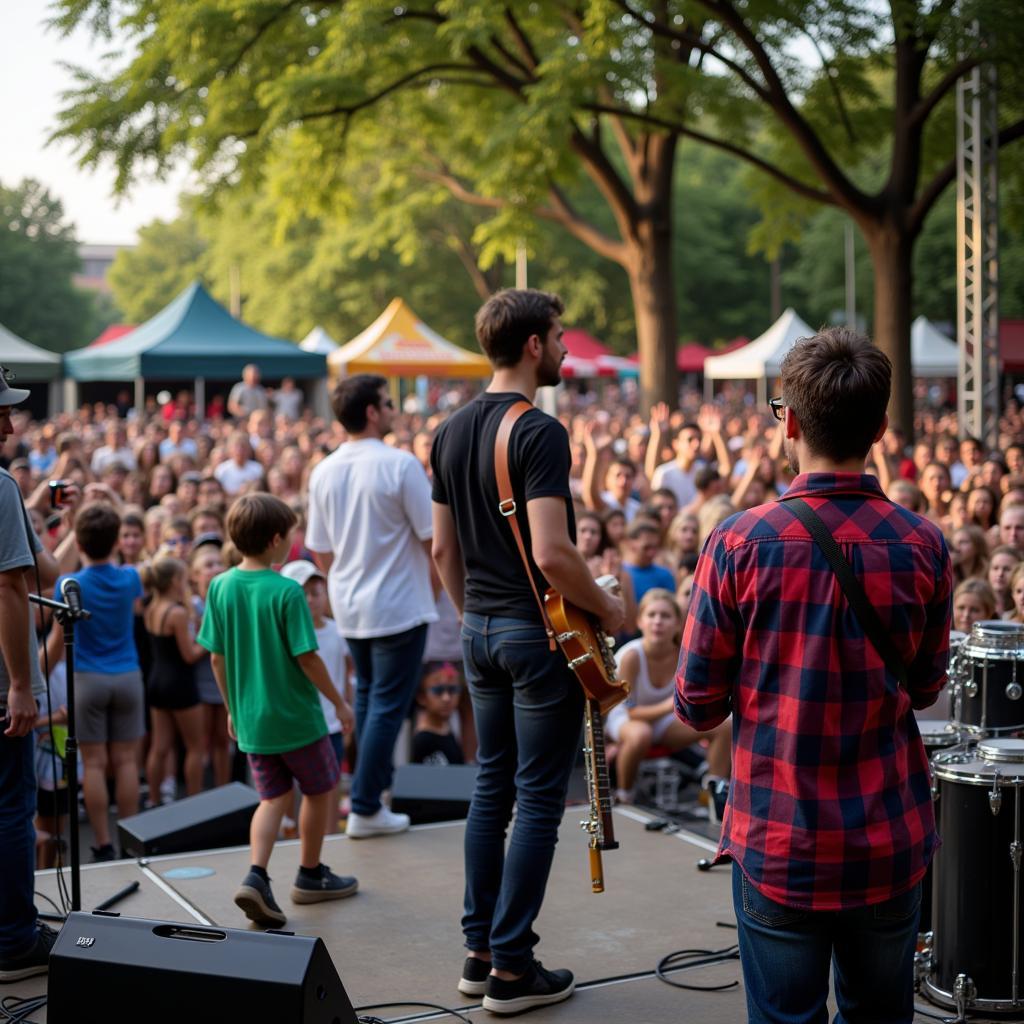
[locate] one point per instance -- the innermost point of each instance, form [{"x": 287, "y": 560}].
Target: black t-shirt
[
  {"x": 436, "y": 748},
  {"x": 463, "y": 463}
]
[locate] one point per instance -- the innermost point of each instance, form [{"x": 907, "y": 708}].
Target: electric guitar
[{"x": 588, "y": 649}]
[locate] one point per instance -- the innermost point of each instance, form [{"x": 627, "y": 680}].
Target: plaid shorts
[{"x": 314, "y": 768}]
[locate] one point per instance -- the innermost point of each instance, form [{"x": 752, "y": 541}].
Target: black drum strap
[{"x": 851, "y": 587}]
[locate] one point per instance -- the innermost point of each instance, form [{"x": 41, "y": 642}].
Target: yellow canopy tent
[{"x": 399, "y": 344}]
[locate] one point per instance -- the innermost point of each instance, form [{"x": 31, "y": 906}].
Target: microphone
[{"x": 71, "y": 594}]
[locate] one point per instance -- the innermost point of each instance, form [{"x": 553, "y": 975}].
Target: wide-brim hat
[{"x": 9, "y": 395}]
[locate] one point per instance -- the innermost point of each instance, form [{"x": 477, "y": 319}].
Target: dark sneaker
[
  {"x": 537, "y": 987},
  {"x": 257, "y": 902},
  {"x": 718, "y": 795},
  {"x": 35, "y": 960},
  {"x": 474, "y": 976},
  {"x": 101, "y": 854},
  {"x": 328, "y": 886}
]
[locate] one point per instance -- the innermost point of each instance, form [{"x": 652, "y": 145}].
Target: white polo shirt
[{"x": 369, "y": 505}]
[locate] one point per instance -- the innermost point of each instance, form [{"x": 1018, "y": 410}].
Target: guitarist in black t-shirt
[{"x": 526, "y": 701}]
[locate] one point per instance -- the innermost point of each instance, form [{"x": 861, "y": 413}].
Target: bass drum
[
  {"x": 937, "y": 734},
  {"x": 976, "y": 960},
  {"x": 988, "y": 688}
]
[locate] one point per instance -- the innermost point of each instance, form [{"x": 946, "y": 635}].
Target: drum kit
[{"x": 970, "y": 951}]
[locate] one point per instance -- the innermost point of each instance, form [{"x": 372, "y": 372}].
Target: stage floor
[{"x": 399, "y": 937}]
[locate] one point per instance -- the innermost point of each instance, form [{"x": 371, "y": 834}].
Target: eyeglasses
[
  {"x": 778, "y": 408},
  {"x": 450, "y": 690}
]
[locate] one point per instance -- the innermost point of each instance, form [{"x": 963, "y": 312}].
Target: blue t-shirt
[
  {"x": 649, "y": 578},
  {"x": 106, "y": 642}
]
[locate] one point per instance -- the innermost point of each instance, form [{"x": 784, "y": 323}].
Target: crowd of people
[
  {"x": 378, "y": 516},
  {"x": 648, "y": 491}
]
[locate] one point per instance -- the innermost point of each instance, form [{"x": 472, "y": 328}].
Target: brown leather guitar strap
[{"x": 507, "y": 502}]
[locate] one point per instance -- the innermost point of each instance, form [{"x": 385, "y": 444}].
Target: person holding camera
[{"x": 25, "y": 942}]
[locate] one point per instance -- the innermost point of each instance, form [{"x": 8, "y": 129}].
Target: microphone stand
[{"x": 67, "y": 617}]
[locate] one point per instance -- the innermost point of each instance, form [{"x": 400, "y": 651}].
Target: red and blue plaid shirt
[{"x": 830, "y": 804}]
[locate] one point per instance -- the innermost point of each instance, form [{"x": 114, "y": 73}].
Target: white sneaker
[
  {"x": 169, "y": 789},
  {"x": 383, "y": 823}
]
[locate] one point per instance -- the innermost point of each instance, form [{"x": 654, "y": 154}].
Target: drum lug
[
  {"x": 1015, "y": 854},
  {"x": 1014, "y": 691},
  {"x": 964, "y": 992},
  {"x": 995, "y": 796},
  {"x": 969, "y": 688}
]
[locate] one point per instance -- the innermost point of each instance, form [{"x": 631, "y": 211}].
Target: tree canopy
[
  {"x": 520, "y": 108},
  {"x": 38, "y": 258}
]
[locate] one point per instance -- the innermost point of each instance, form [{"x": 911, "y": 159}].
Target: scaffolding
[{"x": 977, "y": 193}]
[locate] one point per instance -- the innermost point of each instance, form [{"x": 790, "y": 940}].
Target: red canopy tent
[
  {"x": 587, "y": 357},
  {"x": 690, "y": 357},
  {"x": 112, "y": 333},
  {"x": 1011, "y": 345}
]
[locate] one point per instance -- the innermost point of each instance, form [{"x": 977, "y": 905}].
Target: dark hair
[
  {"x": 352, "y": 396},
  {"x": 705, "y": 477},
  {"x": 640, "y": 526},
  {"x": 96, "y": 530},
  {"x": 254, "y": 520},
  {"x": 509, "y": 317},
  {"x": 837, "y": 384},
  {"x": 206, "y": 510},
  {"x": 134, "y": 520}
]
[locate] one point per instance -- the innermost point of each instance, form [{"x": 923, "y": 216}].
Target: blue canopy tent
[{"x": 192, "y": 337}]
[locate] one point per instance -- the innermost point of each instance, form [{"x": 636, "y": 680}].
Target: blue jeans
[
  {"x": 17, "y": 844},
  {"x": 529, "y": 710},
  {"x": 786, "y": 952},
  {"x": 387, "y": 676}
]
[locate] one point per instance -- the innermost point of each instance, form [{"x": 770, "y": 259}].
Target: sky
[{"x": 31, "y": 81}]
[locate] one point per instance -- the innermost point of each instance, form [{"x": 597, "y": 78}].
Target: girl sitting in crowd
[{"x": 647, "y": 718}]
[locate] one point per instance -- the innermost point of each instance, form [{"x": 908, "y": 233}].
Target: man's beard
[
  {"x": 549, "y": 373},
  {"x": 789, "y": 447}
]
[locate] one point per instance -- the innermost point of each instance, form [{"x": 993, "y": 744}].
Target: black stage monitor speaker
[
  {"x": 218, "y": 817},
  {"x": 108, "y": 968},
  {"x": 430, "y": 792}
]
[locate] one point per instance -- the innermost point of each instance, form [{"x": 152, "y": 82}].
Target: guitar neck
[{"x": 600, "y": 796}]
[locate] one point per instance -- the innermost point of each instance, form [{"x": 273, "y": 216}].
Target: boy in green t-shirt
[{"x": 259, "y": 633}]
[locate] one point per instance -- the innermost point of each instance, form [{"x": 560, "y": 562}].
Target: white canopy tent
[
  {"x": 761, "y": 360},
  {"x": 932, "y": 354},
  {"x": 318, "y": 340}
]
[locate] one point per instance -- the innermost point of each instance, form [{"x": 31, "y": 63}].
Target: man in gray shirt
[
  {"x": 25, "y": 942},
  {"x": 248, "y": 394}
]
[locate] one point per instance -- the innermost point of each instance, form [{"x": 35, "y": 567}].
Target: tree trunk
[
  {"x": 654, "y": 302},
  {"x": 891, "y": 251}
]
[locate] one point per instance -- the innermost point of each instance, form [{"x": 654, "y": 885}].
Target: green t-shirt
[{"x": 261, "y": 623}]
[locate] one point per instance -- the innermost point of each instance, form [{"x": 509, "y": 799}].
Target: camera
[{"x": 57, "y": 488}]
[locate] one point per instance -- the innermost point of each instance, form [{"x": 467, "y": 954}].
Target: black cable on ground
[
  {"x": 691, "y": 958},
  {"x": 16, "y": 1009},
  {"x": 427, "y": 1006}
]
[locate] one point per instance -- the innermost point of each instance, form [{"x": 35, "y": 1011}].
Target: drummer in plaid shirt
[{"x": 829, "y": 818}]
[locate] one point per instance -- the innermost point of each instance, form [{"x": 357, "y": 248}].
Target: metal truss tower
[{"x": 977, "y": 193}]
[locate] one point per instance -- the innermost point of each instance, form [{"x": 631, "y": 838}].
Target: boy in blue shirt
[
  {"x": 109, "y": 694},
  {"x": 259, "y": 632}
]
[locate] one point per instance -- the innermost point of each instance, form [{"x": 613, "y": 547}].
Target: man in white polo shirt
[{"x": 370, "y": 530}]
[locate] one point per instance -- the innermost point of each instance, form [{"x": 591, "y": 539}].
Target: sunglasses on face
[
  {"x": 445, "y": 689},
  {"x": 778, "y": 408},
  {"x": 178, "y": 540}
]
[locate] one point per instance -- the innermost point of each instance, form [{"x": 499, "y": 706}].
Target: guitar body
[{"x": 588, "y": 650}]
